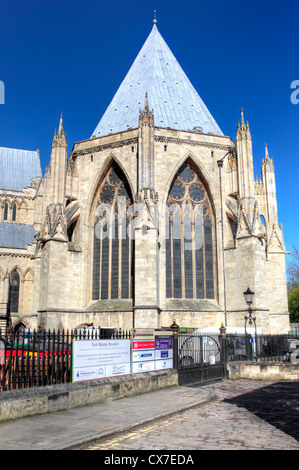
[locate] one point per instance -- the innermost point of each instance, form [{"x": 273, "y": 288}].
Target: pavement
[
  {"x": 245, "y": 415},
  {"x": 66, "y": 429}
]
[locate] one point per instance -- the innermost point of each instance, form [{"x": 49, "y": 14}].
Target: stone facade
[{"x": 63, "y": 270}]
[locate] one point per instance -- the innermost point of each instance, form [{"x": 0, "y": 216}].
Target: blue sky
[{"x": 70, "y": 57}]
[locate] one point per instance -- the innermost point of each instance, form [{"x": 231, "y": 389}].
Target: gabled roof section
[
  {"x": 18, "y": 167},
  {"x": 175, "y": 102}
]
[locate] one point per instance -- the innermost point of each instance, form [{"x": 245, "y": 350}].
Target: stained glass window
[
  {"x": 14, "y": 212},
  {"x": 14, "y": 292},
  {"x": 113, "y": 241},
  {"x": 5, "y": 215},
  {"x": 190, "y": 258}
]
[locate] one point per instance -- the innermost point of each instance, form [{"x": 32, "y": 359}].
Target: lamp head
[{"x": 248, "y": 295}]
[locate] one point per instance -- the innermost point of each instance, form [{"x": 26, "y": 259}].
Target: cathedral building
[{"x": 157, "y": 215}]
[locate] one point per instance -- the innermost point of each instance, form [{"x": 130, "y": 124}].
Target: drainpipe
[{"x": 220, "y": 165}]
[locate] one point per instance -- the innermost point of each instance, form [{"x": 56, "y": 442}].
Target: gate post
[
  {"x": 248, "y": 346},
  {"x": 175, "y": 331},
  {"x": 222, "y": 330},
  {"x": 202, "y": 374}
]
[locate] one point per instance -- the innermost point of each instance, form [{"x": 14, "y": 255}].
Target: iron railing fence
[
  {"x": 30, "y": 358},
  {"x": 39, "y": 358},
  {"x": 195, "y": 348},
  {"x": 262, "y": 348}
]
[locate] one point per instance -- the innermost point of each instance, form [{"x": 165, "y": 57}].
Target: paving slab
[{"x": 65, "y": 429}]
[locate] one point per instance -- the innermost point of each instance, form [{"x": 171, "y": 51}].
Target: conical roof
[{"x": 175, "y": 102}]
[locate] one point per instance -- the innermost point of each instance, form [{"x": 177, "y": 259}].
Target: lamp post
[{"x": 248, "y": 295}]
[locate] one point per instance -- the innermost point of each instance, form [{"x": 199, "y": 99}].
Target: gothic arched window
[
  {"x": 14, "y": 212},
  {"x": 14, "y": 291},
  {"x": 190, "y": 238},
  {"x": 5, "y": 214},
  {"x": 113, "y": 239}
]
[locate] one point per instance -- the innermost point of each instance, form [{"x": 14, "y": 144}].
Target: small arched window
[
  {"x": 5, "y": 214},
  {"x": 14, "y": 291},
  {"x": 20, "y": 327},
  {"x": 14, "y": 212}
]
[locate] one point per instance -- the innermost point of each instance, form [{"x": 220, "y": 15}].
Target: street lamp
[{"x": 248, "y": 295}]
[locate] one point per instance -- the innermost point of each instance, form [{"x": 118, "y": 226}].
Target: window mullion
[
  {"x": 120, "y": 227},
  {"x": 101, "y": 256},
  {"x": 204, "y": 261},
  {"x": 193, "y": 255},
  {"x": 182, "y": 256}
]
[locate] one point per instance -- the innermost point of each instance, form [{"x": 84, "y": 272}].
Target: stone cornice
[
  {"x": 15, "y": 255},
  {"x": 134, "y": 140},
  {"x": 9, "y": 195},
  {"x": 192, "y": 143},
  {"x": 101, "y": 148}
]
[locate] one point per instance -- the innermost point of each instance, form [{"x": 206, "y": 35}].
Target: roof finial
[
  {"x": 155, "y": 18},
  {"x": 146, "y": 102},
  {"x": 60, "y": 129},
  {"x": 242, "y": 116}
]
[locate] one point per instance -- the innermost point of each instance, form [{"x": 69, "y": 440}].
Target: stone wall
[
  {"x": 20, "y": 403},
  {"x": 60, "y": 279},
  {"x": 263, "y": 371}
]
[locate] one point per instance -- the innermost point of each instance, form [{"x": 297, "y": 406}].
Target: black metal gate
[{"x": 199, "y": 359}]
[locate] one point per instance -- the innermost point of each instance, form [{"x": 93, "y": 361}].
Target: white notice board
[{"x": 99, "y": 359}]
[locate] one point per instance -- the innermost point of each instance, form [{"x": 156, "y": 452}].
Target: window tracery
[
  {"x": 190, "y": 258},
  {"x": 14, "y": 291},
  {"x": 113, "y": 246},
  {"x": 14, "y": 212},
  {"x": 5, "y": 212}
]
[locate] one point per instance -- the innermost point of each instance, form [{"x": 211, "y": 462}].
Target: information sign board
[
  {"x": 163, "y": 349},
  {"x": 97, "y": 359},
  {"x": 151, "y": 349},
  {"x": 163, "y": 354},
  {"x": 141, "y": 334},
  {"x": 165, "y": 343},
  {"x": 164, "y": 364},
  {"x": 147, "y": 366},
  {"x": 143, "y": 344},
  {"x": 147, "y": 355}
]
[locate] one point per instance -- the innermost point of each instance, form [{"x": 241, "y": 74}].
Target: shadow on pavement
[{"x": 277, "y": 404}]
